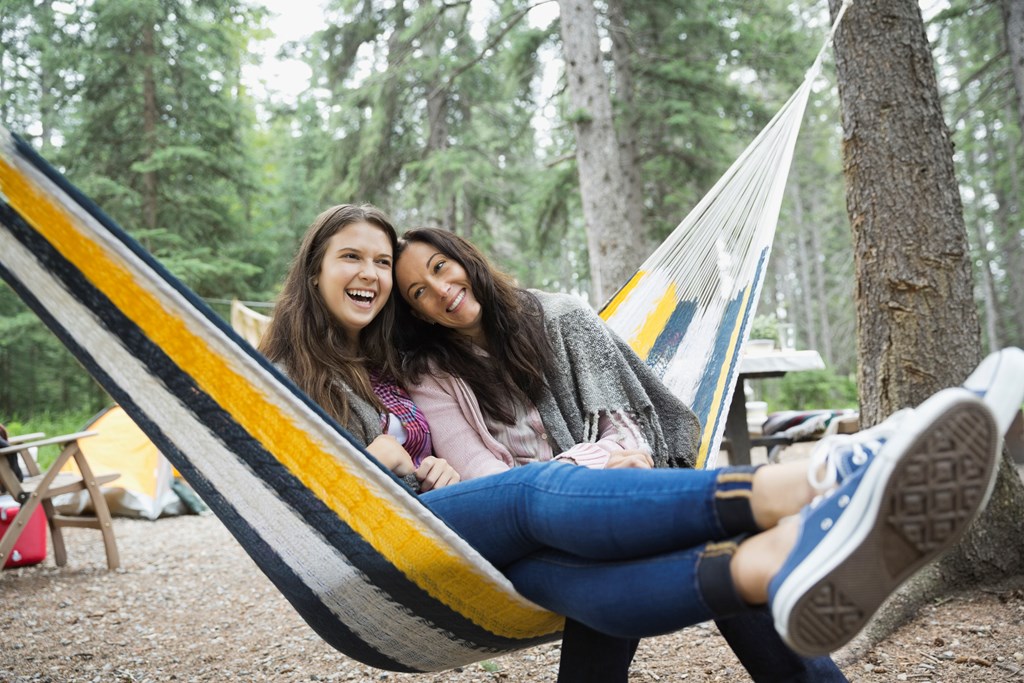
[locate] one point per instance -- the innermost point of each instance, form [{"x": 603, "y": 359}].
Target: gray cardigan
[{"x": 600, "y": 372}]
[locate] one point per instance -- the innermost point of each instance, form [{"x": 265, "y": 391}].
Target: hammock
[{"x": 372, "y": 571}]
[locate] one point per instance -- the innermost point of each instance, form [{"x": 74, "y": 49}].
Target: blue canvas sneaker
[
  {"x": 838, "y": 457},
  {"x": 906, "y": 507},
  {"x": 999, "y": 382}
]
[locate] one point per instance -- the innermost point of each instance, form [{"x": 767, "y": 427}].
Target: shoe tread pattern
[{"x": 933, "y": 495}]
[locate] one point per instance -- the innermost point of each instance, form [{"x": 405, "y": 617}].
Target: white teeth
[
  {"x": 361, "y": 294},
  {"x": 458, "y": 300}
]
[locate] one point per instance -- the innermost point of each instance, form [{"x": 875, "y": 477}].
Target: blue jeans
[
  {"x": 592, "y": 657},
  {"x": 629, "y": 553}
]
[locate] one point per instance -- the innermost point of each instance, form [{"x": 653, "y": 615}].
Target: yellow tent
[{"x": 144, "y": 487}]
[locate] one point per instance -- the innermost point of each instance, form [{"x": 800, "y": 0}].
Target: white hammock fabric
[
  {"x": 688, "y": 308},
  {"x": 362, "y": 561}
]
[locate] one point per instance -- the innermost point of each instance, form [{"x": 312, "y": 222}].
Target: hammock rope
[
  {"x": 688, "y": 308},
  {"x": 372, "y": 571}
]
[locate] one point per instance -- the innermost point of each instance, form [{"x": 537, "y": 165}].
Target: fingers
[
  {"x": 435, "y": 473},
  {"x": 392, "y": 455},
  {"x": 631, "y": 459}
]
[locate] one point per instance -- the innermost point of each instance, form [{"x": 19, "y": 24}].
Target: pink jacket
[{"x": 461, "y": 437}]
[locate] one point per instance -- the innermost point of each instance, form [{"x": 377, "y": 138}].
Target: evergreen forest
[{"x": 456, "y": 113}]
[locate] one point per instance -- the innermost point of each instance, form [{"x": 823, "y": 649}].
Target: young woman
[
  {"x": 331, "y": 334},
  {"x": 629, "y": 552},
  {"x": 509, "y": 377}
]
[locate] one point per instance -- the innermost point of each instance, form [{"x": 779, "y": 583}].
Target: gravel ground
[{"x": 189, "y": 605}]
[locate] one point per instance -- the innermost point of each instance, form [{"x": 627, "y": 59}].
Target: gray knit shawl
[
  {"x": 599, "y": 372},
  {"x": 363, "y": 419}
]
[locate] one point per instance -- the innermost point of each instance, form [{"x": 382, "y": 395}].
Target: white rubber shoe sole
[
  {"x": 917, "y": 498},
  {"x": 999, "y": 381}
]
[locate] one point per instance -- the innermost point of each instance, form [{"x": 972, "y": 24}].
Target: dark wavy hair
[
  {"x": 309, "y": 342},
  {"x": 519, "y": 351}
]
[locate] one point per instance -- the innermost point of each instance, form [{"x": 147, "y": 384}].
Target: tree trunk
[
  {"x": 824, "y": 342},
  {"x": 917, "y": 326},
  {"x": 988, "y": 292},
  {"x": 1013, "y": 23},
  {"x": 149, "y": 120},
  {"x": 622, "y": 53},
  {"x": 614, "y": 246},
  {"x": 807, "y": 293}
]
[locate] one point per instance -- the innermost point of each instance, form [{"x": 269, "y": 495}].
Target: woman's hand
[
  {"x": 632, "y": 459},
  {"x": 391, "y": 454},
  {"x": 435, "y": 473}
]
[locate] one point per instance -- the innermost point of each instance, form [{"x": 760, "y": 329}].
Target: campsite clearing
[{"x": 189, "y": 605}]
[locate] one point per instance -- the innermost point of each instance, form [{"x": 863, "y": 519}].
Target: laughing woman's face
[
  {"x": 355, "y": 276},
  {"x": 438, "y": 289}
]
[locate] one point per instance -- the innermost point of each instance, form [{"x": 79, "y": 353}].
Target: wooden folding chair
[{"x": 39, "y": 488}]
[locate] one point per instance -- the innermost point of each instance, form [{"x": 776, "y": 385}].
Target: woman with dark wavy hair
[
  {"x": 510, "y": 377},
  {"x": 538, "y": 375},
  {"x": 331, "y": 334},
  {"x": 628, "y": 553}
]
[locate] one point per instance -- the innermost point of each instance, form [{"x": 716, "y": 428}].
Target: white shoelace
[{"x": 823, "y": 469}]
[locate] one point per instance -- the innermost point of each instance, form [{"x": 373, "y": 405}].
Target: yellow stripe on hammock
[
  {"x": 436, "y": 568},
  {"x": 718, "y": 403}
]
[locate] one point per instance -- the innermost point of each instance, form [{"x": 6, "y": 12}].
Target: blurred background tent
[{"x": 148, "y": 487}]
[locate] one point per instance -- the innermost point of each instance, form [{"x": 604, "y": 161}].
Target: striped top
[
  {"x": 475, "y": 448},
  {"x": 527, "y": 440},
  {"x": 403, "y": 419}
]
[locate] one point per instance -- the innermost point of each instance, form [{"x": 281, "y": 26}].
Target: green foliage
[
  {"x": 815, "y": 390},
  {"x": 579, "y": 117},
  {"x": 158, "y": 140},
  {"x": 37, "y": 373},
  {"x": 765, "y": 327},
  {"x": 50, "y": 424}
]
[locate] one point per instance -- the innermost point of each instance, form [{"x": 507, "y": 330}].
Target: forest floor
[{"x": 189, "y": 605}]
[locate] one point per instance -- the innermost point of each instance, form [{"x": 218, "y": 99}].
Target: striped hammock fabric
[
  {"x": 687, "y": 310},
  {"x": 362, "y": 561}
]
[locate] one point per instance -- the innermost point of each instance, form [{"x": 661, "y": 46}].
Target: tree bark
[
  {"x": 626, "y": 131},
  {"x": 917, "y": 325},
  {"x": 1013, "y": 23},
  {"x": 918, "y": 329},
  {"x": 615, "y": 248},
  {"x": 149, "y": 119}
]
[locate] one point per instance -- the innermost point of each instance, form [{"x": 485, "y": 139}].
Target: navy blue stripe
[
  {"x": 313, "y": 511},
  {"x": 671, "y": 336},
  {"x": 719, "y": 357},
  {"x": 200, "y": 306}
]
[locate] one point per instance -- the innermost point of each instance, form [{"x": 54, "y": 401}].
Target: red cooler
[{"x": 31, "y": 545}]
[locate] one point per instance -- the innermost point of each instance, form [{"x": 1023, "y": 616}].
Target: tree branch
[{"x": 511, "y": 21}]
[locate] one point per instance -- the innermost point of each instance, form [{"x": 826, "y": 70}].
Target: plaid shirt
[{"x": 400, "y": 404}]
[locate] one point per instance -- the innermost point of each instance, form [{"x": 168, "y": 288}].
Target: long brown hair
[
  {"x": 305, "y": 337},
  {"x": 519, "y": 351}
]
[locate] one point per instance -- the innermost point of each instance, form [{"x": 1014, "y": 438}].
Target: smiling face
[
  {"x": 438, "y": 289},
  {"x": 355, "y": 276}
]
